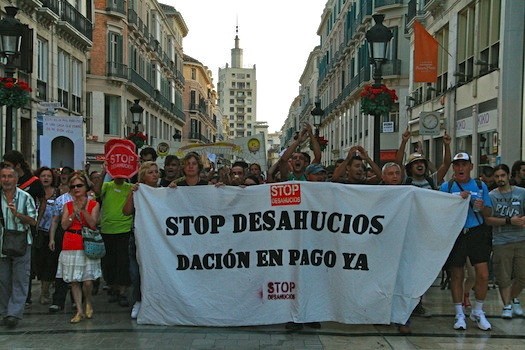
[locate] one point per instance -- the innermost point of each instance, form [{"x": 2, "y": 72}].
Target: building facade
[
  {"x": 478, "y": 94},
  {"x": 58, "y": 48},
  {"x": 199, "y": 103},
  {"x": 137, "y": 55},
  {"x": 237, "y": 90}
]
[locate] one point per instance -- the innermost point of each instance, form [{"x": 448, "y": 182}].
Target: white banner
[{"x": 294, "y": 251}]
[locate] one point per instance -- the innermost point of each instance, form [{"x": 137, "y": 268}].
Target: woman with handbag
[{"x": 73, "y": 265}]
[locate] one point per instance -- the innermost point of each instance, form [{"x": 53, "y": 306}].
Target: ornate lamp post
[
  {"x": 317, "y": 113},
  {"x": 378, "y": 38},
  {"x": 136, "y": 113},
  {"x": 11, "y": 32}
]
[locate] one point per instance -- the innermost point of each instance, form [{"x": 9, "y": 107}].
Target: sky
[{"x": 275, "y": 35}]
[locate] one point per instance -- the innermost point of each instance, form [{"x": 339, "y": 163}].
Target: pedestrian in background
[
  {"x": 508, "y": 221},
  {"x": 18, "y": 212},
  {"x": 44, "y": 260}
]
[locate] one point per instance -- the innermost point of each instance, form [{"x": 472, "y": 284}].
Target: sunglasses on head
[{"x": 76, "y": 186}]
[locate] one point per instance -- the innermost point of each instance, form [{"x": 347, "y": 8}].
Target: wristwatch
[{"x": 507, "y": 220}]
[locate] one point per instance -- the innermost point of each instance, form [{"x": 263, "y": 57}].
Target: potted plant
[
  {"x": 14, "y": 93},
  {"x": 377, "y": 99}
]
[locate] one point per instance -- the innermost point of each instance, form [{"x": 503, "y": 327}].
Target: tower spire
[{"x": 236, "y": 52}]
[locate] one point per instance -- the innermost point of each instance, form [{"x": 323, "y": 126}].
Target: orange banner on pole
[{"x": 425, "y": 55}]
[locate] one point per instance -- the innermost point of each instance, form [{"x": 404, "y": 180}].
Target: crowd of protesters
[{"x": 57, "y": 203}]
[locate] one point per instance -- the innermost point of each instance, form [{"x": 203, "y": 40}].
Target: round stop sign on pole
[{"x": 122, "y": 162}]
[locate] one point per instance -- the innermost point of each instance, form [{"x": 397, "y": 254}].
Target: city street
[{"x": 112, "y": 328}]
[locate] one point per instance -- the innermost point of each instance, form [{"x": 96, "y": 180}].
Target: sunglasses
[{"x": 76, "y": 186}]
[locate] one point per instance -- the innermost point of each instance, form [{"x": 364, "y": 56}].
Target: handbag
[
  {"x": 14, "y": 242},
  {"x": 94, "y": 247}
]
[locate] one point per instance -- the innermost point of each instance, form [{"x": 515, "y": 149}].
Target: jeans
[{"x": 134, "y": 272}]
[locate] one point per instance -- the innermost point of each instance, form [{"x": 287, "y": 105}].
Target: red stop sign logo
[{"x": 121, "y": 161}]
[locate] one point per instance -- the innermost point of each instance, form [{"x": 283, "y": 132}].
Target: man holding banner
[{"x": 473, "y": 241}]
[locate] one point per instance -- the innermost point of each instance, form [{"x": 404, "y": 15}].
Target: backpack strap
[
  {"x": 450, "y": 183},
  {"x": 430, "y": 181},
  {"x": 28, "y": 183}
]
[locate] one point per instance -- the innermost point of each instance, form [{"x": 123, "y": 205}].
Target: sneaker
[
  {"x": 480, "y": 320},
  {"x": 516, "y": 308},
  {"x": 459, "y": 322},
  {"x": 135, "y": 310},
  {"x": 506, "y": 313},
  {"x": 54, "y": 308}
]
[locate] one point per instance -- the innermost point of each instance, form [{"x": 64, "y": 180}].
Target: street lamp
[
  {"x": 317, "y": 113},
  {"x": 136, "y": 113},
  {"x": 378, "y": 38},
  {"x": 11, "y": 32}
]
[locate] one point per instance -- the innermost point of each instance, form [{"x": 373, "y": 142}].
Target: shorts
[
  {"x": 474, "y": 244},
  {"x": 509, "y": 264}
]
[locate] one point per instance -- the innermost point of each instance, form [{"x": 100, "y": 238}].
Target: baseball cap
[
  {"x": 462, "y": 156},
  {"x": 314, "y": 168},
  {"x": 415, "y": 157}
]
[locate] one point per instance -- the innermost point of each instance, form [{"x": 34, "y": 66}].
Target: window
[
  {"x": 489, "y": 25},
  {"x": 76, "y": 86},
  {"x": 193, "y": 74},
  {"x": 466, "y": 37},
  {"x": 111, "y": 115},
  {"x": 63, "y": 65},
  {"x": 42, "y": 68},
  {"x": 442, "y": 39},
  {"x": 115, "y": 55}
]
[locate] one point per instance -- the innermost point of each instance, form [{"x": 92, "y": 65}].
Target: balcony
[
  {"x": 140, "y": 82},
  {"x": 117, "y": 8},
  {"x": 72, "y": 18},
  {"x": 392, "y": 67},
  {"x": 195, "y": 108},
  {"x": 180, "y": 78},
  {"x": 53, "y": 5},
  {"x": 381, "y": 3},
  {"x": 115, "y": 69},
  {"x": 163, "y": 101},
  {"x": 133, "y": 18},
  {"x": 198, "y": 137},
  {"x": 178, "y": 112}
]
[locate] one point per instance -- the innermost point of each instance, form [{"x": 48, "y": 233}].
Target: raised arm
[
  {"x": 375, "y": 168},
  {"x": 447, "y": 158},
  {"x": 129, "y": 206},
  {"x": 315, "y": 144},
  {"x": 283, "y": 161},
  {"x": 340, "y": 171}
]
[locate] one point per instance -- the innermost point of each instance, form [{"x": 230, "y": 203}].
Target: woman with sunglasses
[{"x": 73, "y": 265}]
